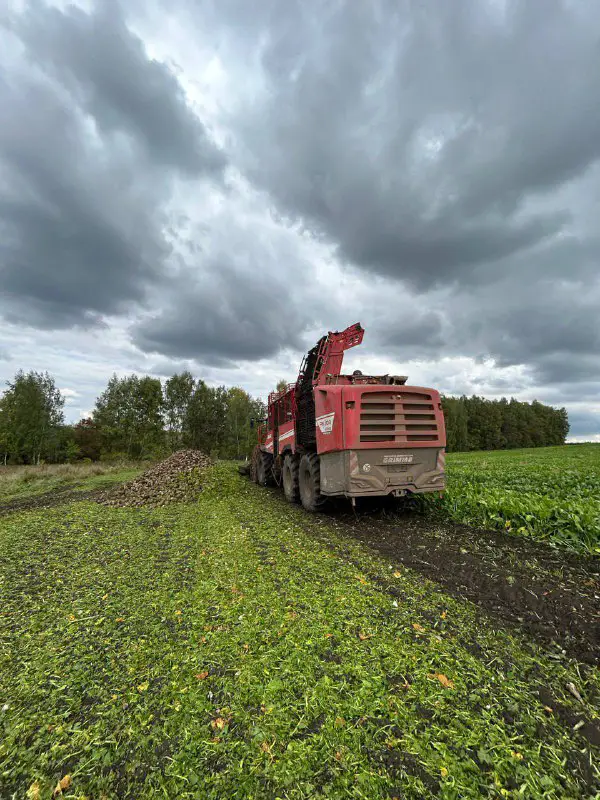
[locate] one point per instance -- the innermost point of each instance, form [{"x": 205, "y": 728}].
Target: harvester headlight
[{"x": 366, "y": 468}]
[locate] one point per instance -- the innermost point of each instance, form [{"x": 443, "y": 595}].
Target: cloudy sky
[{"x": 211, "y": 185}]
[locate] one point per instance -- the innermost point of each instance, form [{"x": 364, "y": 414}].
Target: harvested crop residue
[{"x": 177, "y": 479}]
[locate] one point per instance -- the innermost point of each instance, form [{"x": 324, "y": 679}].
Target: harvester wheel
[
  {"x": 291, "y": 485},
  {"x": 263, "y": 469},
  {"x": 310, "y": 482}
]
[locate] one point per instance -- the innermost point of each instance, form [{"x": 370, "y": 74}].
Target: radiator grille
[{"x": 395, "y": 417}]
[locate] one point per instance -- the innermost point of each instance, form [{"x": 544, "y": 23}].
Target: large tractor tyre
[
  {"x": 310, "y": 482},
  {"x": 291, "y": 478},
  {"x": 264, "y": 476}
]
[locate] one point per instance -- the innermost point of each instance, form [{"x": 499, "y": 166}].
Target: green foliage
[
  {"x": 31, "y": 418},
  {"x": 178, "y": 391},
  {"x": 129, "y": 415},
  {"x": 217, "y": 421},
  {"x": 232, "y": 648},
  {"x": 240, "y": 437},
  {"x": 551, "y": 494},
  {"x": 204, "y": 421},
  {"x": 88, "y": 437},
  {"x": 474, "y": 423}
]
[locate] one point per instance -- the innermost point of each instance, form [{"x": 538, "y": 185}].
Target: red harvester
[{"x": 355, "y": 435}]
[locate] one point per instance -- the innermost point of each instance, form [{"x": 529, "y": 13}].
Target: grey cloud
[
  {"x": 584, "y": 423},
  {"x": 165, "y": 367},
  {"x": 562, "y": 368},
  {"x": 80, "y": 232},
  {"x": 549, "y": 325},
  {"x": 228, "y": 313},
  {"x": 499, "y": 385},
  {"x": 566, "y": 391},
  {"x": 421, "y": 138},
  {"x": 414, "y": 332},
  {"x": 107, "y": 69},
  {"x": 82, "y": 215},
  {"x": 541, "y": 311}
]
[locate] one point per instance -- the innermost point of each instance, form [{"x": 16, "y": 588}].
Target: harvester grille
[{"x": 401, "y": 418}]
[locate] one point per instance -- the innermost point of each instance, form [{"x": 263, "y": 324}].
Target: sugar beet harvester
[{"x": 355, "y": 435}]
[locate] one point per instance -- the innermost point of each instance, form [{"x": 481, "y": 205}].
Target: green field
[
  {"x": 550, "y": 493},
  {"x": 236, "y": 647}
]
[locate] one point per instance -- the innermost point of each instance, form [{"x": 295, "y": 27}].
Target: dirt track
[
  {"x": 553, "y": 596},
  {"x": 56, "y": 497}
]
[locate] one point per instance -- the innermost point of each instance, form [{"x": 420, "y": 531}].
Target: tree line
[
  {"x": 474, "y": 423},
  {"x": 133, "y": 418},
  {"x": 146, "y": 418}
]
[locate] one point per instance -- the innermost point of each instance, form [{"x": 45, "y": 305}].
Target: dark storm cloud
[
  {"x": 548, "y": 323},
  {"x": 229, "y": 313},
  {"x": 112, "y": 78},
  {"x": 420, "y": 137},
  {"x": 413, "y": 330},
  {"x": 540, "y": 311},
  {"x": 92, "y": 131},
  {"x": 79, "y": 233}
]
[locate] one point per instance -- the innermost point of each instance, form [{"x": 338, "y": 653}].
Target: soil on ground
[
  {"x": 55, "y": 497},
  {"x": 554, "y": 596}
]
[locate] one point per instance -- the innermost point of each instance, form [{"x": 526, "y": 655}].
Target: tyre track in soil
[
  {"x": 55, "y": 497},
  {"x": 551, "y": 595}
]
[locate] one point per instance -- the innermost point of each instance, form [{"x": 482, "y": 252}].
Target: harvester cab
[{"x": 330, "y": 434}]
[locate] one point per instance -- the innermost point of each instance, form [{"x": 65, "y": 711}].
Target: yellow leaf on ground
[
  {"x": 418, "y": 627},
  {"x": 143, "y": 686},
  {"x": 202, "y": 675},
  {"x": 363, "y": 636},
  {"x": 443, "y": 615},
  {"x": 446, "y": 682},
  {"x": 340, "y": 722},
  {"x": 33, "y": 793},
  {"x": 397, "y": 574},
  {"x": 63, "y": 784},
  {"x": 218, "y": 723},
  {"x": 443, "y": 772}
]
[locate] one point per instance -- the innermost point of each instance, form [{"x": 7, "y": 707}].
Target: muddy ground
[
  {"x": 56, "y": 497},
  {"x": 552, "y": 595}
]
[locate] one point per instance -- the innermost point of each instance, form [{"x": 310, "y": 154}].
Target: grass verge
[
  {"x": 237, "y": 648},
  {"x": 17, "y": 483}
]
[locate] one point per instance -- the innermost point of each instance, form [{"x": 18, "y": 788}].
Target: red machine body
[{"x": 354, "y": 435}]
